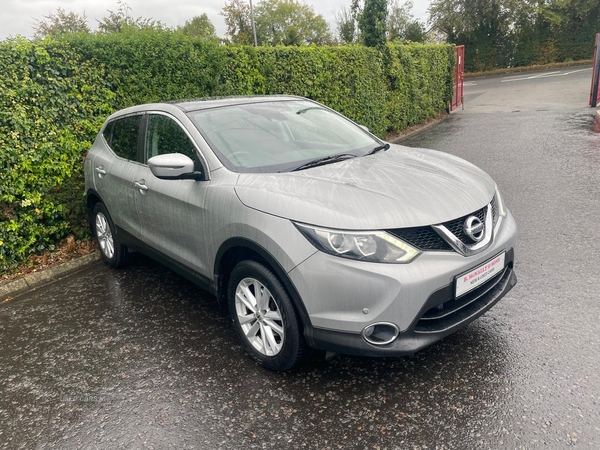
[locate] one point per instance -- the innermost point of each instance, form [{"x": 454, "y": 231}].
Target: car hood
[{"x": 402, "y": 187}]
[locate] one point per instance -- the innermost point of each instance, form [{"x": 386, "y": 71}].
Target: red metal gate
[
  {"x": 459, "y": 78},
  {"x": 594, "y": 94}
]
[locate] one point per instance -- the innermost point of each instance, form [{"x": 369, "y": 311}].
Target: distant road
[
  {"x": 553, "y": 89},
  {"x": 535, "y": 134}
]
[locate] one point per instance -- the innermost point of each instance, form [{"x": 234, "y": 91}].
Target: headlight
[
  {"x": 372, "y": 246},
  {"x": 500, "y": 203}
]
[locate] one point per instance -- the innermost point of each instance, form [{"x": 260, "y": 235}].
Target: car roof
[
  {"x": 201, "y": 103},
  {"x": 215, "y": 102}
]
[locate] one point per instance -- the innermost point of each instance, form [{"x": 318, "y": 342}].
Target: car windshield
[{"x": 279, "y": 136}]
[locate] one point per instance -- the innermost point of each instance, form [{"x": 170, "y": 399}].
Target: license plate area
[{"x": 474, "y": 278}]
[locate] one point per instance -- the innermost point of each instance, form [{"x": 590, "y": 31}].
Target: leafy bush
[
  {"x": 421, "y": 79},
  {"x": 349, "y": 79},
  {"x": 56, "y": 94},
  {"x": 384, "y": 90},
  {"x": 147, "y": 66},
  {"x": 51, "y": 105}
]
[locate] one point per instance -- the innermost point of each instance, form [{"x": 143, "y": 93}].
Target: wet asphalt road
[{"x": 140, "y": 358}]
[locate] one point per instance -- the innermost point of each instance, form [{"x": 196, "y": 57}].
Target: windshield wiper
[
  {"x": 323, "y": 161},
  {"x": 378, "y": 149},
  {"x": 302, "y": 111}
]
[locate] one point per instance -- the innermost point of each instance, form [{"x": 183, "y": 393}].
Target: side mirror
[
  {"x": 173, "y": 166},
  {"x": 365, "y": 128}
]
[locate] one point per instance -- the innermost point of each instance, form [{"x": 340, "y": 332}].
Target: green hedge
[
  {"x": 146, "y": 66},
  {"x": 56, "y": 94},
  {"x": 349, "y": 79},
  {"x": 385, "y": 91},
  {"x": 51, "y": 105}
]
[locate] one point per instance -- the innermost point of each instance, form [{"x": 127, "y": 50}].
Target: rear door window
[{"x": 125, "y": 134}]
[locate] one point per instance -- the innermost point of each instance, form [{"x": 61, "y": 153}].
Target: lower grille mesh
[
  {"x": 423, "y": 238},
  {"x": 454, "y": 311}
]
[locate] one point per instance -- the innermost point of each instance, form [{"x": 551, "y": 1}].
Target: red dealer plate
[{"x": 476, "y": 277}]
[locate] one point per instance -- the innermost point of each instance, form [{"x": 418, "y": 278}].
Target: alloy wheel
[
  {"x": 104, "y": 234},
  {"x": 259, "y": 316}
]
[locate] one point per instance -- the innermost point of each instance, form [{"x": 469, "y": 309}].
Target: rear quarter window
[
  {"x": 124, "y": 137},
  {"x": 107, "y": 132}
]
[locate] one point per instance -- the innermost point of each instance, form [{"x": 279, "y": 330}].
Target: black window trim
[
  {"x": 141, "y": 154},
  {"x": 110, "y": 125}
]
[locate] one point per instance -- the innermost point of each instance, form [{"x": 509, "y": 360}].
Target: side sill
[{"x": 136, "y": 244}]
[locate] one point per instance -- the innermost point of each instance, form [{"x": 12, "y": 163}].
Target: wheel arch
[
  {"x": 235, "y": 250},
  {"x": 92, "y": 198}
]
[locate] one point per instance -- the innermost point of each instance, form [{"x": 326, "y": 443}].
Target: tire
[
  {"x": 276, "y": 319},
  {"x": 113, "y": 252}
]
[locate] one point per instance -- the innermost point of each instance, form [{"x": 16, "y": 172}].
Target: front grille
[
  {"x": 454, "y": 311},
  {"x": 427, "y": 239},
  {"x": 423, "y": 238},
  {"x": 456, "y": 226}
]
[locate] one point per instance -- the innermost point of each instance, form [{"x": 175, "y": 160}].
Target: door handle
[
  {"x": 100, "y": 170},
  {"x": 140, "y": 185}
]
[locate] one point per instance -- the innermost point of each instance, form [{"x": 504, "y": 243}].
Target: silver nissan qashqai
[{"x": 313, "y": 232}]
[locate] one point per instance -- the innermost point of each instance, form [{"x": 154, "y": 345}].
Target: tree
[
  {"x": 415, "y": 32},
  {"x": 485, "y": 27},
  {"x": 346, "y": 26},
  {"x": 290, "y": 22},
  {"x": 119, "y": 21},
  {"x": 372, "y": 23},
  {"x": 571, "y": 26},
  {"x": 401, "y": 23},
  {"x": 238, "y": 22},
  {"x": 286, "y": 22},
  {"x": 60, "y": 23},
  {"x": 398, "y": 19},
  {"x": 199, "y": 26},
  {"x": 509, "y": 33},
  {"x": 532, "y": 37}
]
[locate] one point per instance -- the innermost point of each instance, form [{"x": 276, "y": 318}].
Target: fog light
[{"x": 381, "y": 333}]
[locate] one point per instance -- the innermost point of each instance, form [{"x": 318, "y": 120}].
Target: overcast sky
[{"x": 18, "y": 16}]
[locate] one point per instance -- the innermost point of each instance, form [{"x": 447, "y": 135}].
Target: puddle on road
[
  {"x": 586, "y": 126},
  {"x": 596, "y": 127},
  {"x": 587, "y": 122}
]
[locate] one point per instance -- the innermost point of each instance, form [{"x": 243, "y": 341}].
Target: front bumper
[
  {"x": 421, "y": 333},
  {"x": 342, "y": 296}
]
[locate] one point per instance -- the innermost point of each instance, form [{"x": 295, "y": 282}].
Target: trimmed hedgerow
[
  {"x": 56, "y": 94},
  {"x": 145, "y": 66},
  {"x": 51, "y": 105},
  {"x": 421, "y": 79},
  {"x": 348, "y": 79}
]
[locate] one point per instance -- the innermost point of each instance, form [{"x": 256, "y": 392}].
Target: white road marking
[
  {"x": 514, "y": 76},
  {"x": 524, "y": 77},
  {"x": 531, "y": 77},
  {"x": 580, "y": 70},
  {"x": 545, "y": 75},
  {"x": 469, "y": 83}
]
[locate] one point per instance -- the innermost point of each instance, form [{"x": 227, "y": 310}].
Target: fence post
[
  {"x": 459, "y": 79},
  {"x": 595, "y": 74}
]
